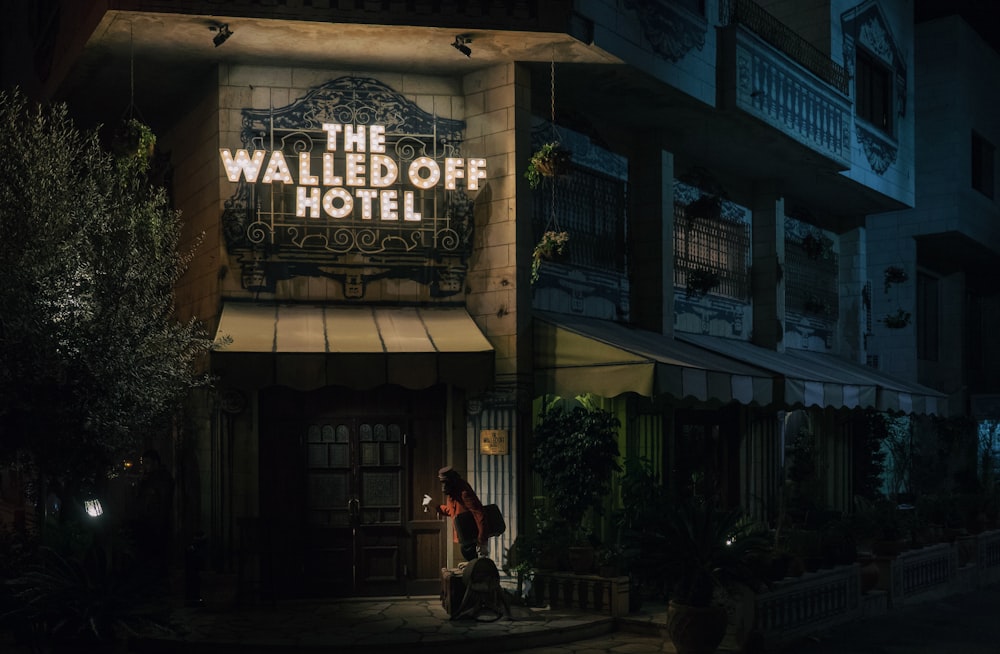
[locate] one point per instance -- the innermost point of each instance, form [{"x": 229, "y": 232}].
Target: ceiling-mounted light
[
  {"x": 460, "y": 44},
  {"x": 223, "y": 33}
]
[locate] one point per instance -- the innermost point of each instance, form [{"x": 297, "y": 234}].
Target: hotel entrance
[{"x": 343, "y": 474}]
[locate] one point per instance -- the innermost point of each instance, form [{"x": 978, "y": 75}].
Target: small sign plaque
[{"x": 493, "y": 441}]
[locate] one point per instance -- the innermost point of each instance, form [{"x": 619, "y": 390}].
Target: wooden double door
[{"x": 343, "y": 474}]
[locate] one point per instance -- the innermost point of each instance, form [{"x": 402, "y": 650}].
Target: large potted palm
[{"x": 709, "y": 549}]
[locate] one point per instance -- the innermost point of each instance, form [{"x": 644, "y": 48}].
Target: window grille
[
  {"x": 714, "y": 245},
  {"x": 589, "y": 206},
  {"x": 811, "y": 283}
]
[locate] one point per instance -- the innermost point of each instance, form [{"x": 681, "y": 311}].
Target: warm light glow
[
  {"x": 277, "y": 169},
  {"x": 302, "y": 202},
  {"x": 346, "y": 203},
  {"x": 452, "y": 171},
  {"x": 422, "y": 163},
  {"x": 408, "y": 212},
  {"x": 477, "y": 171},
  {"x": 366, "y": 195},
  {"x": 250, "y": 167},
  {"x": 388, "y": 206},
  {"x": 368, "y": 177},
  {"x": 383, "y": 171},
  {"x": 355, "y": 170},
  {"x": 305, "y": 177}
]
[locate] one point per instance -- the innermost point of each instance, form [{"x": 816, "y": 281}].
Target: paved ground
[{"x": 963, "y": 624}]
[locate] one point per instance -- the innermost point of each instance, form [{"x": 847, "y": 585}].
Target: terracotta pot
[{"x": 696, "y": 629}]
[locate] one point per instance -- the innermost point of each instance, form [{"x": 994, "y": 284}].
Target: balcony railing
[{"x": 754, "y": 18}]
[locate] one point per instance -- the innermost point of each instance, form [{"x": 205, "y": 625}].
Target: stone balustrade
[
  {"x": 587, "y": 592},
  {"x": 796, "y": 606}
]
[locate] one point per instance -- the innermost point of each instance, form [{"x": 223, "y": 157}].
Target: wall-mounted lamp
[
  {"x": 93, "y": 508},
  {"x": 223, "y": 33},
  {"x": 460, "y": 44}
]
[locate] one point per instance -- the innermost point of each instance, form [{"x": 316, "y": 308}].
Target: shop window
[
  {"x": 928, "y": 317},
  {"x": 715, "y": 245},
  {"x": 873, "y": 91},
  {"x": 982, "y": 165}
]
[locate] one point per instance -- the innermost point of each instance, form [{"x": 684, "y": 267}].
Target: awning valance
[
  {"x": 806, "y": 378},
  {"x": 308, "y": 346},
  {"x": 575, "y": 355}
]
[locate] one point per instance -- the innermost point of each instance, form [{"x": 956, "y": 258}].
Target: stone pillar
[
  {"x": 768, "y": 283},
  {"x": 854, "y": 311},
  {"x": 652, "y": 234}
]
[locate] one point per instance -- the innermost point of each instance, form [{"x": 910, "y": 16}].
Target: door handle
[{"x": 354, "y": 511}]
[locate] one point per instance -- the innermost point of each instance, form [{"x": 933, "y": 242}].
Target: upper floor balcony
[{"x": 771, "y": 73}]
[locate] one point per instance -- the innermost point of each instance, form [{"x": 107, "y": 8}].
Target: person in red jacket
[{"x": 460, "y": 498}]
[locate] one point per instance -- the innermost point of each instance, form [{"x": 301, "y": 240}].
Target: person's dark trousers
[{"x": 469, "y": 550}]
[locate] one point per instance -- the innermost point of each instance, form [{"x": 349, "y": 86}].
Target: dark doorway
[{"x": 336, "y": 491}]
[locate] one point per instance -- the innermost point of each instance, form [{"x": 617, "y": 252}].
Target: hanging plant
[
  {"x": 550, "y": 160},
  {"x": 706, "y": 206},
  {"x": 700, "y": 282},
  {"x": 817, "y": 246},
  {"x": 897, "y": 320},
  {"x": 551, "y": 245},
  {"x": 135, "y": 139},
  {"x": 894, "y": 275},
  {"x": 815, "y": 304}
]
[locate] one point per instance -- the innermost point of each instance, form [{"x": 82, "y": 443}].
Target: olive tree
[{"x": 91, "y": 355}]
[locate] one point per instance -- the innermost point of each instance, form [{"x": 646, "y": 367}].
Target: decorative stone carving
[{"x": 671, "y": 31}]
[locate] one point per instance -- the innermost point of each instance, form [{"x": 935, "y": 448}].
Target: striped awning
[
  {"x": 574, "y": 355},
  {"x": 806, "y": 378},
  {"x": 308, "y": 346}
]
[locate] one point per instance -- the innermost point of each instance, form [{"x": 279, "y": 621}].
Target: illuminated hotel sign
[
  {"x": 357, "y": 183},
  {"x": 353, "y": 182}
]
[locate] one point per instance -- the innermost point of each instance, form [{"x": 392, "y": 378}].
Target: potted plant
[
  {"x": 548, "y": 161},
  {"x": 710, "y": 549},
  {"x": 894, "y": 275},
  {"x": 700, "y": 282},
  {"x": 576, "y": 454},
  {"x": 897, "y": 320},
  {"x": 551, "y": 245}
]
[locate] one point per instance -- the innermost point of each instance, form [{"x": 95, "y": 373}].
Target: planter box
[
  {"x": 798, "y": 606},
  {"x": 588, "y": 592}
]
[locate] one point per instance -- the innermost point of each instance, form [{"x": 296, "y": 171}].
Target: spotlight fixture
[
  {"x": 223, "y": 33},
  {"x": 460, "y": 44}
]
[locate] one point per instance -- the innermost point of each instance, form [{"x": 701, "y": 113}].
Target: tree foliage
[
  {"x": 576, "y": 454},
  {"x": 91, "y": 356}
]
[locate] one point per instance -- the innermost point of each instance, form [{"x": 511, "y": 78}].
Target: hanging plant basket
[
  {"x": 700, "y": 282},
  {"x": 548, "y": 161},
  {"x": 551, "y": 246},
  {"x": 817, "y": 246},
  {"x": 133, "y": 138},
  {"x": 897, "y": 320},
  {"x": 706, "y": 206},
  {"x": 894, "y": 275}
]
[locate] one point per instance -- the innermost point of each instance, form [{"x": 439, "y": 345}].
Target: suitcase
[
  {"x": 452, "y": 590},
  {"x": 465, "y": 524}
]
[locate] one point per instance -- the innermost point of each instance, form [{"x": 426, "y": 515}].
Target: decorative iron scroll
[{"x": 272, "y": 242}]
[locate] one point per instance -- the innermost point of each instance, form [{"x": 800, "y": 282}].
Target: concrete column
[
  {"x": 852, "y": 323},
  {"x": 652, "y": 239},
  {"x": 768, "y": 283}
]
